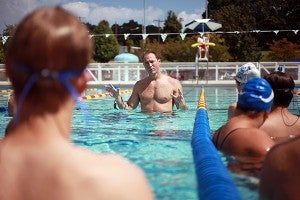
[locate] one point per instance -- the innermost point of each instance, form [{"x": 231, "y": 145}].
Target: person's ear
[{"x": 81, "y": 82}]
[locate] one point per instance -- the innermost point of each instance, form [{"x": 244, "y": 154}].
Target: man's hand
[
  {"x": 116, "y": 94},
  {"x": 179, "y": 100},
  {"x": 112, "y": 90}
]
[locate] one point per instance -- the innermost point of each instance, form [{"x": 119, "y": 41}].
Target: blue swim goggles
[{"x": 62, "y": 76}]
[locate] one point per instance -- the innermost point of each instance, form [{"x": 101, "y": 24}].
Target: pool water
[{"x": 160, "y": 144}]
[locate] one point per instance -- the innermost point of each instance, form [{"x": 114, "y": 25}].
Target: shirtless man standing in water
[{"x": 156, "y": 93}]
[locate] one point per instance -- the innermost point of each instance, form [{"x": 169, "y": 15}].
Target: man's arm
[
  {"x": 115, "y": 93},
  {"x": 179, "y": 99},
  {"x": 132, "y": 103},
  {"x": 134, "y": 99}
]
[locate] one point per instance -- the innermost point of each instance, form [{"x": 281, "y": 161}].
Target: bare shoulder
[
  {"x": 172, "y": 80},
  {"x": 256, "y": 131},
  {"x": 258, "y": 136},
  {"x": 117, "y": 166},
  {"x": 110, "y": 165},
  {"x": 109, "y": 171},
  {"x": 247, "y": 137},
  {"x": 282, "y": 154},
  {"x": 140, "y": 84},
  {"x": 280, "y": 172}
]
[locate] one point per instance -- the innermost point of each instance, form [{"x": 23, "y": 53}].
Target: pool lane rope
[
  {"x": 213, "y": 179},
  {"x": 96, "y": 96},
  {"x": 6, "y": 91}
]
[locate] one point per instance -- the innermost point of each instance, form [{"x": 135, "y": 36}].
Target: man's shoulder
[
  {"x": 105, "y": 160},
  {"x": 103, "y": 173},
  {"x": 142, "y": 81},
  {"x": 112, "y": 171},
  {"x": 105, "y": 166},
  {"x": 172, "y": 80}
]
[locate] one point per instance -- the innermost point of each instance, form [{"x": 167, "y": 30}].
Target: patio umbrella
[{"x": 203, "y": 25}]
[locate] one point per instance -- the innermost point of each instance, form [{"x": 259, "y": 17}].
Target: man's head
[
  {"x": 151, "y": 61},
  {"x": 283, "y": 86},
  {"x": 257, "y": 95},
  {"x": 245, "y": 73}
]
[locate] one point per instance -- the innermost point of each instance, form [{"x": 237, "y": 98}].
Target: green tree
[
  {"x": 129, "y": 44},
  {"x": 8, "y": 31},
  {"x": 242, "y": 46},
  {"x": 282, "y": 50},
  {"x": 106, "y": 48},
  {"x": 90, "y": 27},
  {"x": 132, "y": 27},
  {"x": 276, "y": 15},
  {"x": 153, "y": 29},
  {"x": 172, "y": 25},
  {"x": 267, "y": 15},
  {"x": 178, "y": 51},
  {"x": 219, "y": 52},
  {"x": 181, "y": 50}
]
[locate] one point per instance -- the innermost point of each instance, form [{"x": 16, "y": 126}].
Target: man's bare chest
[{"x": 160, "y": 94}]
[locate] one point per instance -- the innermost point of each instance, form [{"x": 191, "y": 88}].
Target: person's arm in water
[
  {"x": 115, "y": 93},
  {"x": 178, "y": 97},
  {"x": 132, "y": 103},
  {"x": 179, "y": 101}
]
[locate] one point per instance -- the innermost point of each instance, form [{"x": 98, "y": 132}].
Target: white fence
[{"x": 190, "y": 73}]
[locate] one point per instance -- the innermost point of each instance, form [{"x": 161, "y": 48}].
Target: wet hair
[
  {"x": 157, "y": 55},
  {"x": 48, "y": 43},
  {"x": 283, "y": 86}
]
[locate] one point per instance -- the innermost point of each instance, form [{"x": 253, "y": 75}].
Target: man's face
[{"x": 151, "y": 64}]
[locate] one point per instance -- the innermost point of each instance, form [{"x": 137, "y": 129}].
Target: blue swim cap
[
  {"x": 257, "y": 95},
  {"x": 246, "y": 72}
]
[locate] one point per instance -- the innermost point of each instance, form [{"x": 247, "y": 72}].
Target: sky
[{"x": 114, "y": 11}]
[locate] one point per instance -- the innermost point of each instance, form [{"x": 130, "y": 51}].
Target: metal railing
[{"x": 190, "y": 73}]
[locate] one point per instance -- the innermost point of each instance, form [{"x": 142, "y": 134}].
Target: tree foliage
[
  {"x": 234, "y": 15},
  {"x": 172, "y": 25},
  {"x": 2, "y": 54},
  {"x": 220, "y": 51},
  {"x": 265, "y": 14},
  {"x": 241, "y": 46},
  {"x": 282, "y": 50},
  {"x": 8, "y": 31},
  {"x": 132, "y": 28},
  {"x": 106, "y": 48}
]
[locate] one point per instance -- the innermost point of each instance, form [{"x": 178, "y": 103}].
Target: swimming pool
[{"x": 158, "y": 143}]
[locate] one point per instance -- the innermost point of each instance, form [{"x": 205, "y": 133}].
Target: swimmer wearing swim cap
[
  {"x": 240, "y": 138},
  {"x": 246, "y": 72},
  {"x": 257, "y": 95}
]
